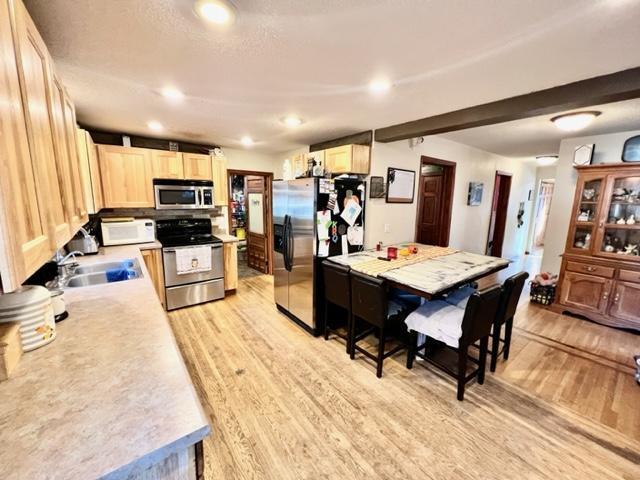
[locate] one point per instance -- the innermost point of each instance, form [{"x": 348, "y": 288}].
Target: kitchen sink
[{"x": 107, "y": 272}]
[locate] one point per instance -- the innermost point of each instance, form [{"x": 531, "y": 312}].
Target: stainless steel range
[{"x": 185, "y": 237}]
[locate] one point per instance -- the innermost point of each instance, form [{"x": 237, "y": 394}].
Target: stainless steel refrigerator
[{"x": 297, "y": 251}]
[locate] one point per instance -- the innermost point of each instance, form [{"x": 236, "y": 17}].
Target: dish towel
[
  {"x": 439, "y": 320},
  {"x": 193, "y": 260}
]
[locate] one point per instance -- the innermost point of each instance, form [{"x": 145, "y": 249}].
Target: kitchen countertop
[
  {"x": 109, "y": 396},
  {"x": 226, "y": 238}
]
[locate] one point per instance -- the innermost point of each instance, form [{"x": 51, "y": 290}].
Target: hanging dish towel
[{"x": 193, "y": 260}]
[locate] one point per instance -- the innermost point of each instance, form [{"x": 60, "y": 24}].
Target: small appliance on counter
[
  {"x": 59, "y": 307},
  {"x": 32, "y": 308},
  {"x": 193, "y": 261},
  {"x": 85, "y": 243},
  {"x": 127, "y": 230}
]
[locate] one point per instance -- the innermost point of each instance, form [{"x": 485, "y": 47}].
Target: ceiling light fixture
[
  {"x": 546, "y": 160},
  {"x": 292, "y": 121},
  {"x": 172, "y": 94},
  {"x": 155, "y": 126},
  {"x": 247, "y": 141},
  {"x": 379, "y": 86},
  {"x": 572, "y": 122},
  {"x": 219, "y": 12}
]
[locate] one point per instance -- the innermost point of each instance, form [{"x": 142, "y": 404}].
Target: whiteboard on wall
[{"x": 400, "y": 185}]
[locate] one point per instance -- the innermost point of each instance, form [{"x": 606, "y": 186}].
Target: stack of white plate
[{"x": 31, "y": 306}]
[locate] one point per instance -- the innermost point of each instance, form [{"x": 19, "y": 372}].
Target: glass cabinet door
[
  {"x": 621, "y": 234},
  {"x": 586, "y": 214}
]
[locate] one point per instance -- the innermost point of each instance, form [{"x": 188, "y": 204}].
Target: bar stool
[
  {"x": 337, "y": 292},
  {"x": 458, "y": 329},
  {"x": 370, "y": 304},
  {"x": 511, "y": 291}
]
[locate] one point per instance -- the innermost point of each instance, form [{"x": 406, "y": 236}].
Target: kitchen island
[{"x": 110, "y": 397}]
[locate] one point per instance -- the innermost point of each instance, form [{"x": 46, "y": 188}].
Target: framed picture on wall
[
  {"x": 400, "y": 185},
  {"x": 475, "y": 193}
]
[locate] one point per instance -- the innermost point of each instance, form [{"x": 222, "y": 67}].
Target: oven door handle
[{"x": 172, "y": 250}]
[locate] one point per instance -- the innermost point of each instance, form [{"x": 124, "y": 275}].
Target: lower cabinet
[
  {"x": 586, "y": 292},
  {"x": 625, "y": 302},
  {"x": 153, "y": 261},
  {"x": 230, "y": 266}
]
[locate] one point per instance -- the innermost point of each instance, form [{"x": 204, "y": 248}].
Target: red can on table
[{"x": 392, "y": 253}]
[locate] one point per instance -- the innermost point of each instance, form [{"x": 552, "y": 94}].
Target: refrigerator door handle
[
  {"x": 290, "y": 245},
  {"x": 285, "y": 242}
]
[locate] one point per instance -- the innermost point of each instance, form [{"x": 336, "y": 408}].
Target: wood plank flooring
[{"x": 285, "y": 405}]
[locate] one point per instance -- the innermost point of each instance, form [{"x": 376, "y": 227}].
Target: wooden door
[
  {"x": 36, "y": 86},
  {"x": 586, "y": 292},
  {"x": 429, "y": 217},
  {"x": 197, "y": 166},
  {"x": 498, "y": 219},
  {"x": 127, "y": 177},
  {"x": 257, "y": 222},
  {"x": 24, "y": 233},
  {"x": 166, "y": 164},
  {"x": 89, "y": 172},
  {"x": 625, "y": 303},
  {"x": 220, "y": 184}
]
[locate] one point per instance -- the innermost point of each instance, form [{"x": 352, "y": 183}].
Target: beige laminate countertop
[
  {"x": 109, "y": 396},
  {"x": 226, "y": 238}
]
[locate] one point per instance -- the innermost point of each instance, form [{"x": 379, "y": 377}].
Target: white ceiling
[
  {"x": 316, "y": 57},
  {"x": 538, "y": 136}
]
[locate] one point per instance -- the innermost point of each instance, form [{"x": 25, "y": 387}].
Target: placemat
[{"x": 375, "y": 266}]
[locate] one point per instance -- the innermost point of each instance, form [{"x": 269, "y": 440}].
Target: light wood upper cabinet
[
  {"x": 197, "y": 166},
  {"x": 34, "y": 67},
  {"x": 89, "y": 172},
  {"x": 166, "y": 164},
  {"x": 24, "y": 231},
  {"x": 72, "y": 142},
  {"x": 347, "y": 159},
  {"x": 127, "y": 175},
  {"x": 220, "y": 184}
]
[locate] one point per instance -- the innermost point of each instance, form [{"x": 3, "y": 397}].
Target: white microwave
[
  {"x": 182, "y": 194},
  {"x": 124, "y": 232}
]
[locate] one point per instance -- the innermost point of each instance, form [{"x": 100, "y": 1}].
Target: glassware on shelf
[
  {"x": 582, "y": 238},
  {"x": 621, "y": 241}
]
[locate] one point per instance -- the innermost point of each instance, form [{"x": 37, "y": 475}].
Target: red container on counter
[{"x": 392, "y": 253}]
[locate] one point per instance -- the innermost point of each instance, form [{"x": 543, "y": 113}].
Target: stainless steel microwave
[{"x": 183, "y": 194}]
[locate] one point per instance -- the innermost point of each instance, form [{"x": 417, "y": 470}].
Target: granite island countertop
[{"x": 109, "y": 396}]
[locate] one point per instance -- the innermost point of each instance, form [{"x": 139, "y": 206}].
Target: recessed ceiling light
[
  {"x": 172, "y": 93},
  {"x": 219, "y": 12},
  {"x": 572, "y": 122},
  {"x": 292, "y": 121},
  {"x": 155, "y": 126},
  {"x": 247, "y": 141},
  {"x": 546, "y": 160},
  {"x": 379, "y": 86}
]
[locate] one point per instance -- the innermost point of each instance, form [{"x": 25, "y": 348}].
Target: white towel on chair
[
  {"x": 439, "y": 320},
  {"x": 460, "y": 296},
  {"x": 193, "y": 260}
]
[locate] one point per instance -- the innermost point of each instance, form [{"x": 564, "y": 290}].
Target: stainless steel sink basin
[{"x": 107, "y": 272}]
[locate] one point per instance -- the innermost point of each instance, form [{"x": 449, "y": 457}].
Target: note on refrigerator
[
  {"x": 355, "y": 235},
  {"x": 323, "y": 222},
  {"x": 345, "y": 245},
  {"x": 351, "y": 211},
  {"x": 323, "y": 248}
]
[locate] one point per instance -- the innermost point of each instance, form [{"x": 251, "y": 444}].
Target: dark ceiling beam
[
  {"x": 614, "y": 87},
  {"x": 362, "y": 138}
]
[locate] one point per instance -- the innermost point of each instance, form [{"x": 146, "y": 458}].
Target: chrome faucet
[{"x": 65, "y": 268}]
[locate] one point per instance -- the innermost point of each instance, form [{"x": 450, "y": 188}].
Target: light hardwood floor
[{"x": 285, "y": 405}]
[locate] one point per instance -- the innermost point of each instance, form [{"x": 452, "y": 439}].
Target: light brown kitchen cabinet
[
  {"x": 347, "y": 159},
  {"x": 153, "y": 261},
  {"x": 74, "y": 159},
  {"x": 586, "y": 292},
  {"x": 220, "y": 185},
  {"x": 625, "y": 303},
  {"x": 230, "y": 250},
  {"x": 24, "y": 226},
  {"x": 127, "y": 175},
  {"x": 35, "y": 73},
  {"x": 197, "y": 166},
  {"x": 89, "y": 171},
  {"x": 166, "y": 164}
]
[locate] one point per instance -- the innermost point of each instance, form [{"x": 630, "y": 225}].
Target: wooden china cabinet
[{"x": 600, "y": 273}]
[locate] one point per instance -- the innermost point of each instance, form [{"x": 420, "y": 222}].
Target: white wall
[
  {"x": 241, "y": 159},
  {"x": 469, "y": 225},
  {"x": 608, "y": 149}
]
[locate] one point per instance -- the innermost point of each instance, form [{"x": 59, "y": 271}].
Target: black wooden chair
[
  {"x": 511, "y": 291},
  {"x": 337, "y": 293},
  {"x": 370, "y": 304},
  {"x": 475, "y": 322}
]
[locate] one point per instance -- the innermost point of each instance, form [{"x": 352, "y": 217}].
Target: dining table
[{"x": 428, "y": 271}]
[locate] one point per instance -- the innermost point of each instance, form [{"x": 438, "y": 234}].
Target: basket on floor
[{"x": 542, "y": 294}]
